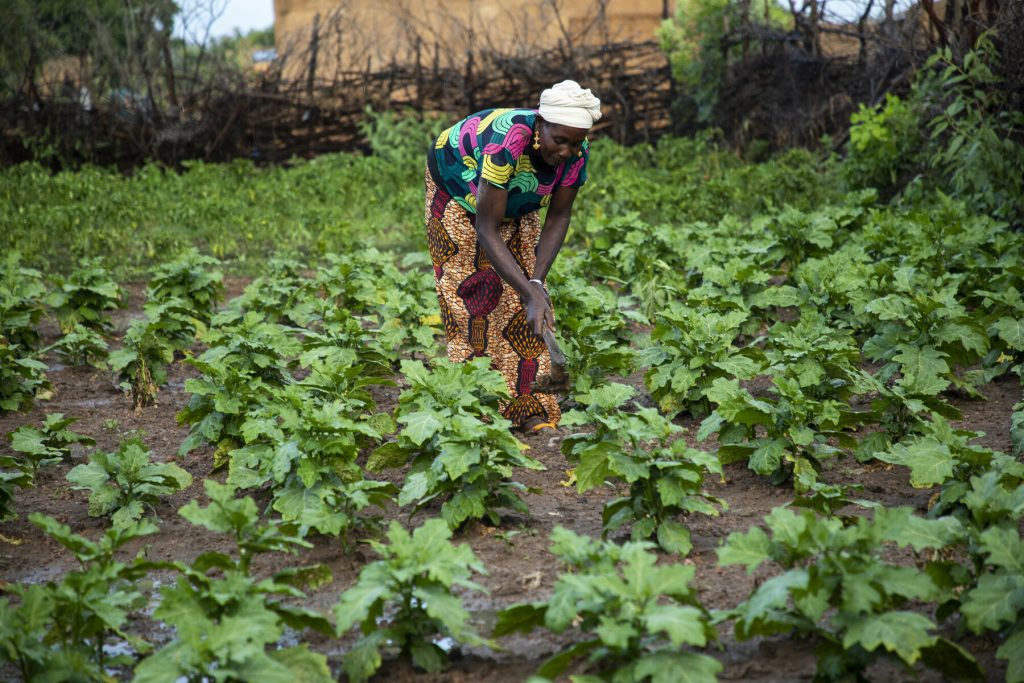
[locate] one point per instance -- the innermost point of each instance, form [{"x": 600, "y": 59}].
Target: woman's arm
[
  {"x": 556, "y": 225},
  {"x": 490, "y": 210}
]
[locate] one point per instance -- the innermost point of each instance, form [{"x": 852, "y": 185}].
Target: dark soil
[{"x": 520, "y": 568}]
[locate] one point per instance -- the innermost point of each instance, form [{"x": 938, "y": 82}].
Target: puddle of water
[
  {"x": 91, "y": 402},
  {"x": 38, "y": 575},
  {"x": 121, "y": 647},
  {"x": 447, "y": 644}
]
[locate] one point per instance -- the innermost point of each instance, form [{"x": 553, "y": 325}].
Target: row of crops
[
  {"x": 798, "y": 316},
  {"x": 863, "y": 318}
]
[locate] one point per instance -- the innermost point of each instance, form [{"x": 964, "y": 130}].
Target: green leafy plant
[
  {"x": 307, "y": 452},
  {"x": 64, "y": 630},
  {"x": 593, "y": 331},
  {"x": 838, "y": 285},
  {"x": 412, "y": 585},
  {"x": 636, "y": 614},
  {"x": 665, "y": 476},
  {"x": 824, "y": 362},
  {"x": 84, "y": 297},
  {"x": 243, "y": 368},
  {"x": 49, "y": 443},
  {"x": 691, "y": 348},
  {"x": 995, "y": 603},
  {"x": 837, "y": 586},
  {"x": 1017, "y": 428},
  {"x": 407, "y": 318},
  {"x": 125, "y": 481},
  {"x": 142, "y": 363},
  {"x": 192, "y": 278},
  {"x": 781, "y": 436},
  {"x": 224, "y": 618},
  {"x": 396, "y": 300},
  {"x": 82, "y": 345},
  {"x": 459, "y": 443},
  {"x": 885, "y": 145},
  {"x": 944, "y": 456},
  {"x": 22, "y": 380},
  {"x": 13, "y": 473},
  {"x": 272, "y": 297},
  {"x": 919, "y": 329},
  {"x": 625, "y": 248},
  {"x": 21, "y": 302},
  {"x": 974, "y": 148}
]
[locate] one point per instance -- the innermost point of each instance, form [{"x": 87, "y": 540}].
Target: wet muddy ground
[{"x": 520, "y": 568}]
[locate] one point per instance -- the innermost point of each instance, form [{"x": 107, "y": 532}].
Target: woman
[{"x": 487, "y": 178}]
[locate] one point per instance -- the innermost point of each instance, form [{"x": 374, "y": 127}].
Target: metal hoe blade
[{"x": 556, "y": 381}]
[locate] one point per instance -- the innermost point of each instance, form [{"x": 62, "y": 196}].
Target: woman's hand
[{"x": 538, "y": 310}]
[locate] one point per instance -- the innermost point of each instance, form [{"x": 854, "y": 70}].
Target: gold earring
[
  {"x": 536, "y": 139},
  {"x": 579, "y": 153}
]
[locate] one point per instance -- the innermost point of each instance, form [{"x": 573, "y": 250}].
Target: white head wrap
[{"x": 567, "y": 104}]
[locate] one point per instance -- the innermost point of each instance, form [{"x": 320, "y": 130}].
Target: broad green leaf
[
  {"x": 677, "y": 667},
  {"x": 457, "y": 457},
  {"x": 674, "y": 537},
  {"x": 611, "y": 395},
  {"x": 767, "y": 457},
  {"x": 929, "y": 460},
  {"x": 104, "y": 500},
  {"x": 787, "y": 526},
  {"x": 446, "y": 608},
  {"x": 593, "y": 468},
  {"x": 615, "y": 634},
  {"x": 521, "y": 618},
  {"x": 903, "y": 527},
  {"x": 416, "y": 486},
  {"x": 1011, "y": 331},
  {"x": 1004, "y": 548},
  {"x": 995, "y": 601},
  {"x": 756, "y": 615},
  {"x": 902, "y": 633},
  {"x": 1013, "y": 652},
  {"x": 87, "y": 476},
  {"x": 684, "y": 625},
  {"x": 310, "y": 508},
  {"x": 923, "y": 370},
  {"x": 420, "y": 426},
  {"x": 738, "y": 366},
  {"x": 749, "y": 549},
  {"x": 303, "y": 665},
  {"x": 363, "y": 660},
  {"x": 355, "y": 604},
  {"x": 127, "y": 515},
  {"x": 427, "y": 656},
  {"x": 468, "y": 503}
]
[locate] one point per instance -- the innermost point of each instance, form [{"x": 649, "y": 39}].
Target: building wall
[{"x": 373, "y": 33}]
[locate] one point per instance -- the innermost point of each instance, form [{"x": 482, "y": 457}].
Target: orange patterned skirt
[{"x": 482, "y": 315}]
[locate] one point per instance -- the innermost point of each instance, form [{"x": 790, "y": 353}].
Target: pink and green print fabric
[{"x": 494, "y": 145}]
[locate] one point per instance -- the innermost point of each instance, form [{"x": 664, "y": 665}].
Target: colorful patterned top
[{"x": 492, "y": 145}]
